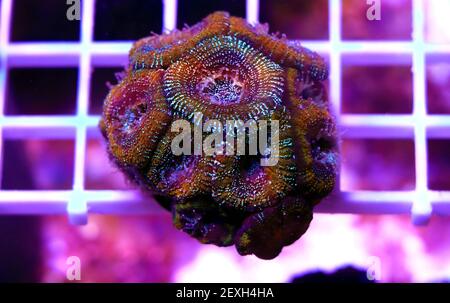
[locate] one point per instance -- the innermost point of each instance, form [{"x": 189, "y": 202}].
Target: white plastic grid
[{"x": 419, "y": 126}]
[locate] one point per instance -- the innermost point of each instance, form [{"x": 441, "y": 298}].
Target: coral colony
[{"x": 199, "y": 109}]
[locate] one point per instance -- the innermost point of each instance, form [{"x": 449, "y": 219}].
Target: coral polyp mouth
[
  {"x": 256, "y": 97},
  {"x": 222, "y": 87},
  {"x": 131, "y": 118}
]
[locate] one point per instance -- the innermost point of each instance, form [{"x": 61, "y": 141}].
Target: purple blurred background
[{"x": 147, "y": 248}]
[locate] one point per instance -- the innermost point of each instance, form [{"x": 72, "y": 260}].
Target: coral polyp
[
  {"x": 224, "y": 77},
  {"x": 218, "y": 73}
]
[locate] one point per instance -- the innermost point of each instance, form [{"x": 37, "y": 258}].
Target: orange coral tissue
[{"x": 220, "y": 70}]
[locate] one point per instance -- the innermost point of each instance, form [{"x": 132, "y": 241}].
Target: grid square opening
[
  {"x": 296, "y": 20},
  {"x": 438, "y": 87},
  {"x": 190, "y": 12},
  {"x": 127, "y": 20},
  {"x": 41, "y": 91},
  {"x": 35, "y": 164},
  {"x": 438, "y": 164},
  {"x": 100, "y": 172},
  {"x": 377, "y": 164},
  {"x": 369, "y": 89},
  {"x": 436, "y": 21},
  {"x": 395, "y": 21},
  {"x": 37, "y": 21}
]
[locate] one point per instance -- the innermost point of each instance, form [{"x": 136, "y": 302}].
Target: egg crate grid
[{"x": 86, "y": 54}]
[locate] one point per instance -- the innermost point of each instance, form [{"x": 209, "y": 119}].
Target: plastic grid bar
[{"x": 419, "y": 126}]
